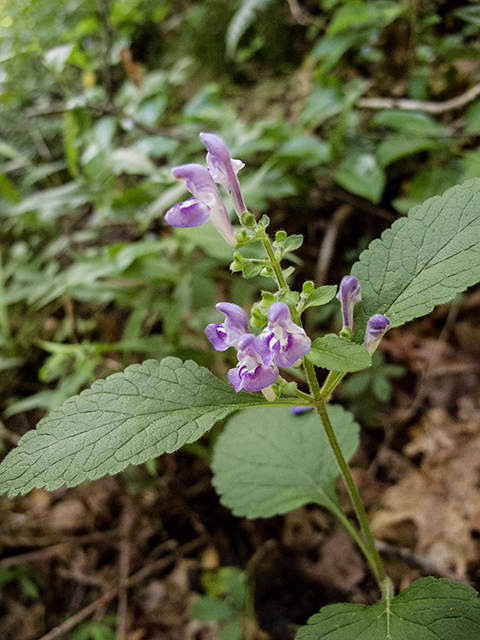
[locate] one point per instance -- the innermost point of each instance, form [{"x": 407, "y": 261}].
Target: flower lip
[
  {"x": 349, "y": 295},
  {"x": 251, "y": 373},
  {"x": 224, "y": 169},
  {"x": 190, "y": 213}
]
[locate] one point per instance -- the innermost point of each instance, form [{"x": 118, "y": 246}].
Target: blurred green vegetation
[{"x": 100, "y": 98}]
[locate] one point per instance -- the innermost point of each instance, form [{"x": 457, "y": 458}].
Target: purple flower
[
  {"x": 223, "y": 169},
  {"x": 377, "y": 326},
  {"x": 300, "y": 409},
  {"x": 284, "y": 340},
  {"x": 252, "y": 373},
  {"x": 349, "y": 295},
  {"x": 228, "y": 333},
  {"x": 205, "y": 205}
]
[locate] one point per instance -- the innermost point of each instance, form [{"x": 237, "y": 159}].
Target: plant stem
[
  {"x": 282, "y": 283},
  {"x": 368, "y": 549}
]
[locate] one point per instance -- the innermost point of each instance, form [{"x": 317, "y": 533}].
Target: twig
[
  {"x": 58, "y": 108},
  {"x": 424, "y": 563},
  {"x": 88, "y": 538},
  {"x": 299, "y": 14},
  {"x": 420, "y": 105},
  {"x": 327, "y": 247},
  {"x": 134, "y": 579}
]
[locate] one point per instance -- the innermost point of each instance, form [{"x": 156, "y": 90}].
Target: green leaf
[
  {"x": 335, "y": 353},
  {"x": 130, "y": 417},
  {"x": 408, "y": 122},
  {"x": 429, "y": 609},
  {"x": 208, "y": 608},
  {"x": 357, "y": 14},
  {"x": 320, "y": 296},
  {"x": 56, "y": 58},
  {"x": 240, "y": 22},
  {"x": 361, "y": 174},
  {"x": 269, "y": 461},
  {"x": 399, "y": 146},
  {"x": 422, "y": 260}
]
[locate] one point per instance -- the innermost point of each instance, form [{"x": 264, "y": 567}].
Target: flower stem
[
  {"x": 275, "y": 264},
  {"x": 368, "y": 549}
]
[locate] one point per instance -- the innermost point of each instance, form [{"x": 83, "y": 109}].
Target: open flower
[
  {"x": 223, "y": 169},
  {"x": 227, "y": 333},
  {"x": 377, "y": 326},
  {"x": 349, "y": 295},
  {"x": 205, "y": 205},
  {"x": 283, "y": 339},
  {"x": 252, "y": 372}
]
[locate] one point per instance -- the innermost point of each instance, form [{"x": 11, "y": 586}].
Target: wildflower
[
  {"x": 377, "y": 326},
  {"x": 349, "y": 295},
  {"x": 223, "y": 169},
  {"x": 227, "y": 334},
  {"x": 253, "y": 372},
  {"x": 282, "y": 338},
  {"x": 205, "y": 205}
]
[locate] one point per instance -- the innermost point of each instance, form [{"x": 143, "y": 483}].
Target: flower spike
[
  {"x": 349, "y": 295},
  {"x": 377, "y": 327},
  {"x": 224, "y": 169},
  {"x": 205, "y": 205}
]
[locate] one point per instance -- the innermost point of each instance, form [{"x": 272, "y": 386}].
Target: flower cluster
[
  {"x": 207, "y": 203},
  {"x": 281, "y": 343}
]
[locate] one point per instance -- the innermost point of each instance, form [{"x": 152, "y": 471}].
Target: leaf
[
  {"x": 320, "y": 296},
  {"x": 130, "y": 417},
  {"x": 269, "y": 461},
  {"x": 357, "y": 15},
  {"x": 422, "y": 260},
  {"x": 399, "y": 146},
  {"x": 429, "y": 609},
  {"x": 361, "y": 174},
  {"x": 240, "y": 22},
  {"x": 57, "y": 58},
  {"x": 132, "y": 161},
  {"x": 408, "y": 122},
  {"x": 335, "y": 353}
]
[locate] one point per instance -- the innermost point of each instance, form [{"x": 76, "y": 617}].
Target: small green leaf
[
  {"x": 130, "y": 417},
  {"x": 269, "y": 461},
  {"x": 429, "y": 609},
  {"x": 422, "y": 260},
  {"x": 408, "y": 122},
  {"x": 240, "y": 22},
  {"x": 335, "y": 353},
  {"x": 361, "y": 174},
  {"x": 320, "y": 296},
  {"x": 208, "y": 608}
]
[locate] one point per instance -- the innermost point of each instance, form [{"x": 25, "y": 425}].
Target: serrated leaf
[
  {"x": 429, "y": 609},
  {"x": 320, "y": 296},
  {"x": 422, "y": 260},
  {"x": 130, "y": 417},
  {"x": 269, "y": 461},
  {"x": 335, "y": 353}
]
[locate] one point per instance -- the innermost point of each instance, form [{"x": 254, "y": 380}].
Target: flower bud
[{"x": 377, "y": 326}]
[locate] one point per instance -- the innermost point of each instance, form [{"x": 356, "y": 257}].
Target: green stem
[
  {"x": 369, "y": 549},
  {"x": 275, "y": 264},
  {"x": 331, "y": 381}
]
